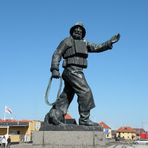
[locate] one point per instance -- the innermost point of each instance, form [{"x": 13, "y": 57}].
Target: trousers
[{"x": 75, "y": 83}]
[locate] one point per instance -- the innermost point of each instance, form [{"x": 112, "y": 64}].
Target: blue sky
[{"x": 30, "y": 31}]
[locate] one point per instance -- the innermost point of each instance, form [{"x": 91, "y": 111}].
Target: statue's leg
[
  {"x": 85, "y": 97},
  {"x": 60, "y": 107},
  {"x": 65, "y": 98}
]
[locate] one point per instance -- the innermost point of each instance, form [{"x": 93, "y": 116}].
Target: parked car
[{"x": 141, "y": 141}]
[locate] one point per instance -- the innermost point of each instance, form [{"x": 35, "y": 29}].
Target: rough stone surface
[
  {"x": 68, "y": 136},
  {"x": 68, "y": 139}
]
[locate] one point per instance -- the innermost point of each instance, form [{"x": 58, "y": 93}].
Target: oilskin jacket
[{"x": 75, "y": 52}]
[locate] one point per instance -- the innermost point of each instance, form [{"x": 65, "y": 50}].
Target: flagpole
[{"x": 5, "y": 113}]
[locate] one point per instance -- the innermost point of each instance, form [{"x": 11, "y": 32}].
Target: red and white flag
[{"x": 8, "y": 110}]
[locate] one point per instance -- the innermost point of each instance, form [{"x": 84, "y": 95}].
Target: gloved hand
[
  {"x": 115, "y": 38},
  {"x": 55, "y": 74}
]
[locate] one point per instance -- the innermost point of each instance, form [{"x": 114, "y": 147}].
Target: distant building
[
  {"x": 19, "y": 130},
  {"x": 113, "y": 133},
  {"x": 69, "y": 119},
  {"x": 126, "y": 133},
  {"x": 139, "y": 131},
  {"x": 107, "y": 130}
]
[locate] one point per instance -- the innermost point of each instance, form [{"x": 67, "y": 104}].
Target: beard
[{"x": 77, "y": 36}]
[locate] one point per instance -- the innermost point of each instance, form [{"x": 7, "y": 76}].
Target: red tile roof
[
  {"x": 126, "y": 130},
  {"x": 13, "y": 120},
  {"x": 103, "y": 125},
  {"x": 67, "y": 116}
]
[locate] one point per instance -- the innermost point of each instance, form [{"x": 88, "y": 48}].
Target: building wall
[
  {"x": 126, "y": 136},
  {"x": 33, "y": 126},
  {"x": 108, "y": 133},
  {"x": 15, "y": 138},
  {"x": 21, "y": 133},
  {"x": 17, "y": 133},
  {"x": 27, "y": 133},
  {"x": 17, "y": 130},
  {"x": 3, "y": 130}
]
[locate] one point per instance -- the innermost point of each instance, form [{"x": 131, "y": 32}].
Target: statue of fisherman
[{"x": 74, "y": 51}]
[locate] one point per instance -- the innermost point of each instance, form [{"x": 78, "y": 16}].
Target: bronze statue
[{"x": 74, "y": 51}]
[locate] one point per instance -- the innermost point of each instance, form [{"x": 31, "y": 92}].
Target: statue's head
[{"x": 78, "y": 31}]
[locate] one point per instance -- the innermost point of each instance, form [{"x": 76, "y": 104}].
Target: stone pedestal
[{"x": 70, "y": 136}]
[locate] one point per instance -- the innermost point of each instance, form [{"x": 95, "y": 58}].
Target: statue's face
[{"x": 77, "y": 33}]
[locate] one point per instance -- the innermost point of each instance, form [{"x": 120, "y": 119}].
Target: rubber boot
[
  {"x": 84, "y": 119},
  {"x": 55, "y": 117}
]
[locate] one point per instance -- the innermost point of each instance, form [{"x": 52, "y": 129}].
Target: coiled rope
[{"x": 48, "y": 91}]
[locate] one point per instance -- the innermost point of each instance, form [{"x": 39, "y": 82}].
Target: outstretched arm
[{"x": 104, "y": 46}]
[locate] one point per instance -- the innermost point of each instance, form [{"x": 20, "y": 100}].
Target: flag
[{"x": 8, "y": 110}]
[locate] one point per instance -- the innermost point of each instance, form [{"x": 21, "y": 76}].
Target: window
[{"x": 13, "y": 132}]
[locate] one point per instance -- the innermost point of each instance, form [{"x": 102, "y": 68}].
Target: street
[
  {"x": 113, "y": 146},
  {"x": 128, "y": 146}
]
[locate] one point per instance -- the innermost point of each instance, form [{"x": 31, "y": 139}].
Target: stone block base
[{"x": 68, "y": 139}]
